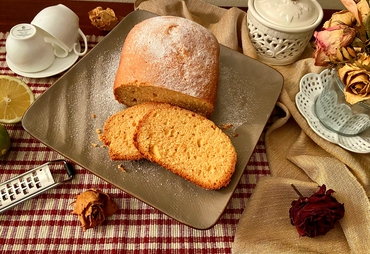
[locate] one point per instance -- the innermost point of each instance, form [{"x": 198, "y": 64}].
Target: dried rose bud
[
  {"x": 329, "y": 40},
  {"x": 104, "y": 20},
  {"x": 316, "y": 215},
  {"x": 92, "y": 207}
]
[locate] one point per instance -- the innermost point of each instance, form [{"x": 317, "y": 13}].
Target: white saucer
[
  {"x": 59, "y": 65},
  {"x": 310, "y": 87}
]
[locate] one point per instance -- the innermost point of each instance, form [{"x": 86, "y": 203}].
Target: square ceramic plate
[{"x": 61, "y": 118}]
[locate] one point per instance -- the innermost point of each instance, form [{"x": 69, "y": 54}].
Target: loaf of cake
[
  {"x": 172, "y": 60},
  {"x": 119, "y": 129},
  {"x": 187, "y": 144}
]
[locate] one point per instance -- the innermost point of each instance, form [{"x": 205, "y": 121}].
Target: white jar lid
[{"x": 288, "y": 13}]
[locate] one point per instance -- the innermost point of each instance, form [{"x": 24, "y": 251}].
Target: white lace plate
[{"x": 310, "y": 87}]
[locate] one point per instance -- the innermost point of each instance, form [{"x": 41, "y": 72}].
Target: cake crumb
[
  {"x": 226, "y": 126},
  {"x": 120, "y": 167},
  {"x": 98, "y": 131},
  {"x": 93, "y": 116},
  {"x": 94, "y": 144}
]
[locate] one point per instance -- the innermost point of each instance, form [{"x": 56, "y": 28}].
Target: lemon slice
[{"x": 15, "y": 98}]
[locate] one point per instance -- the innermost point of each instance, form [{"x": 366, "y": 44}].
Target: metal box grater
[{"x": 32, "y": 183}]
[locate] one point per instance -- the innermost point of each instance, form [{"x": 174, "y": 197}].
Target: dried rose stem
[{"x": 296, "y": 190}]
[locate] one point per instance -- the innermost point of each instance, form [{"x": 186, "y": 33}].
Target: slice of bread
[
  {"x": 119, "y": 129},
  {"x": 187, "y": 144}
]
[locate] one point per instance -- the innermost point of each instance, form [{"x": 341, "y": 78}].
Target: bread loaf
[
  {"x": 119, "y": 129},
  {"x": 187, "y": 144},
  {"x": 172, "y": 60}
]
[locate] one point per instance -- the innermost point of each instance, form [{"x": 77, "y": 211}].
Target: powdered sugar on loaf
[
  {"x": 172, "y": 60},
  {"x": 159, "y": 41}
]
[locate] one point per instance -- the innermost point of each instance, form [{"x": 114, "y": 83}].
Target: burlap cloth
[{"x": 295, "y": 154}]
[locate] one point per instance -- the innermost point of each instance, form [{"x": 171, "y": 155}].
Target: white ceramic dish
[
  {"x": 59, "y": 65},
  {"x": 311, "y": 86}
]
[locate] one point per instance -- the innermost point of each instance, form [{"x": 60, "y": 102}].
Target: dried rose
[
  {"x": 329, "y": 40},
  {"x": 359, "y": 9},
  {"x": 343, "y": 17},
  {"x": 92, "y": 207},
  {"x": 363, "y": 10},
  {"x": 103, "y": 19},
  {"x": 356, "y": 80},
  {"x": 316, "y": 215}
]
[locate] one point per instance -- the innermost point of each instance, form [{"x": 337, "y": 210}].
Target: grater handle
[{"x": 67, "y": 166}]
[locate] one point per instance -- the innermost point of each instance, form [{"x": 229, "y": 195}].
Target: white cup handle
[
  {"x": 59, "y": 50},
  {"x": 75, "y": 49}
]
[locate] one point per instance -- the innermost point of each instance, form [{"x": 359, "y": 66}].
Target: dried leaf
[{"x": 352, "y": 7}]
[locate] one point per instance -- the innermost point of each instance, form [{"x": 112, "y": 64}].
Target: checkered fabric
[{"x": 45, "y": 224}]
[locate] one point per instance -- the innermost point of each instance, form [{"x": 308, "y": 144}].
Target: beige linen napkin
[{"x": 295, "y": 154}]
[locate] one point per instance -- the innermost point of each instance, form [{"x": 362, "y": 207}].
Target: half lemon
[{"x": 15, "y": 98}]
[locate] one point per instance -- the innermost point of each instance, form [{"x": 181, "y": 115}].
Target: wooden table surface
[
  {"x": 13, "y": 12},
  {"x": 22, "y": 11}
]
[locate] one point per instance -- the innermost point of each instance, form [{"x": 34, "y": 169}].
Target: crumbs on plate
[
  {"x": 120, "y": 167},
  {"x": 226, "y": 126}
]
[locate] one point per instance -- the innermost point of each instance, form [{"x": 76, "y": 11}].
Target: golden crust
[{"x": 172, "y": 60}]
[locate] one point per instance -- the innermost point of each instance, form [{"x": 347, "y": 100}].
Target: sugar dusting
[
  {"x": 178, "y": 52},
  {"x": 89, "y": 90},
  {"x": 235, "y": 104}
]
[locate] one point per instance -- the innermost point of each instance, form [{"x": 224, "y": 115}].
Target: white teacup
[
  {"x": 27, "y": 50},
  {"x": 61, "y": 27}
]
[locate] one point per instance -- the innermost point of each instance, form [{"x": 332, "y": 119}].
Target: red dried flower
[{"x": 316, "y": 215}]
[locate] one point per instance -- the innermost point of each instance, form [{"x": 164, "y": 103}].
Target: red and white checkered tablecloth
[{"x": 45, "y": 224}]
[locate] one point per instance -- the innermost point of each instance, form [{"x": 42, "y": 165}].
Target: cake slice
[
  {"x": 119, "y": 129},
  {"x": 187, "y": 144}
]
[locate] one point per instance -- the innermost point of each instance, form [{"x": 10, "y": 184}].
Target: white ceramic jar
[{"x": 281, "y": 29}]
